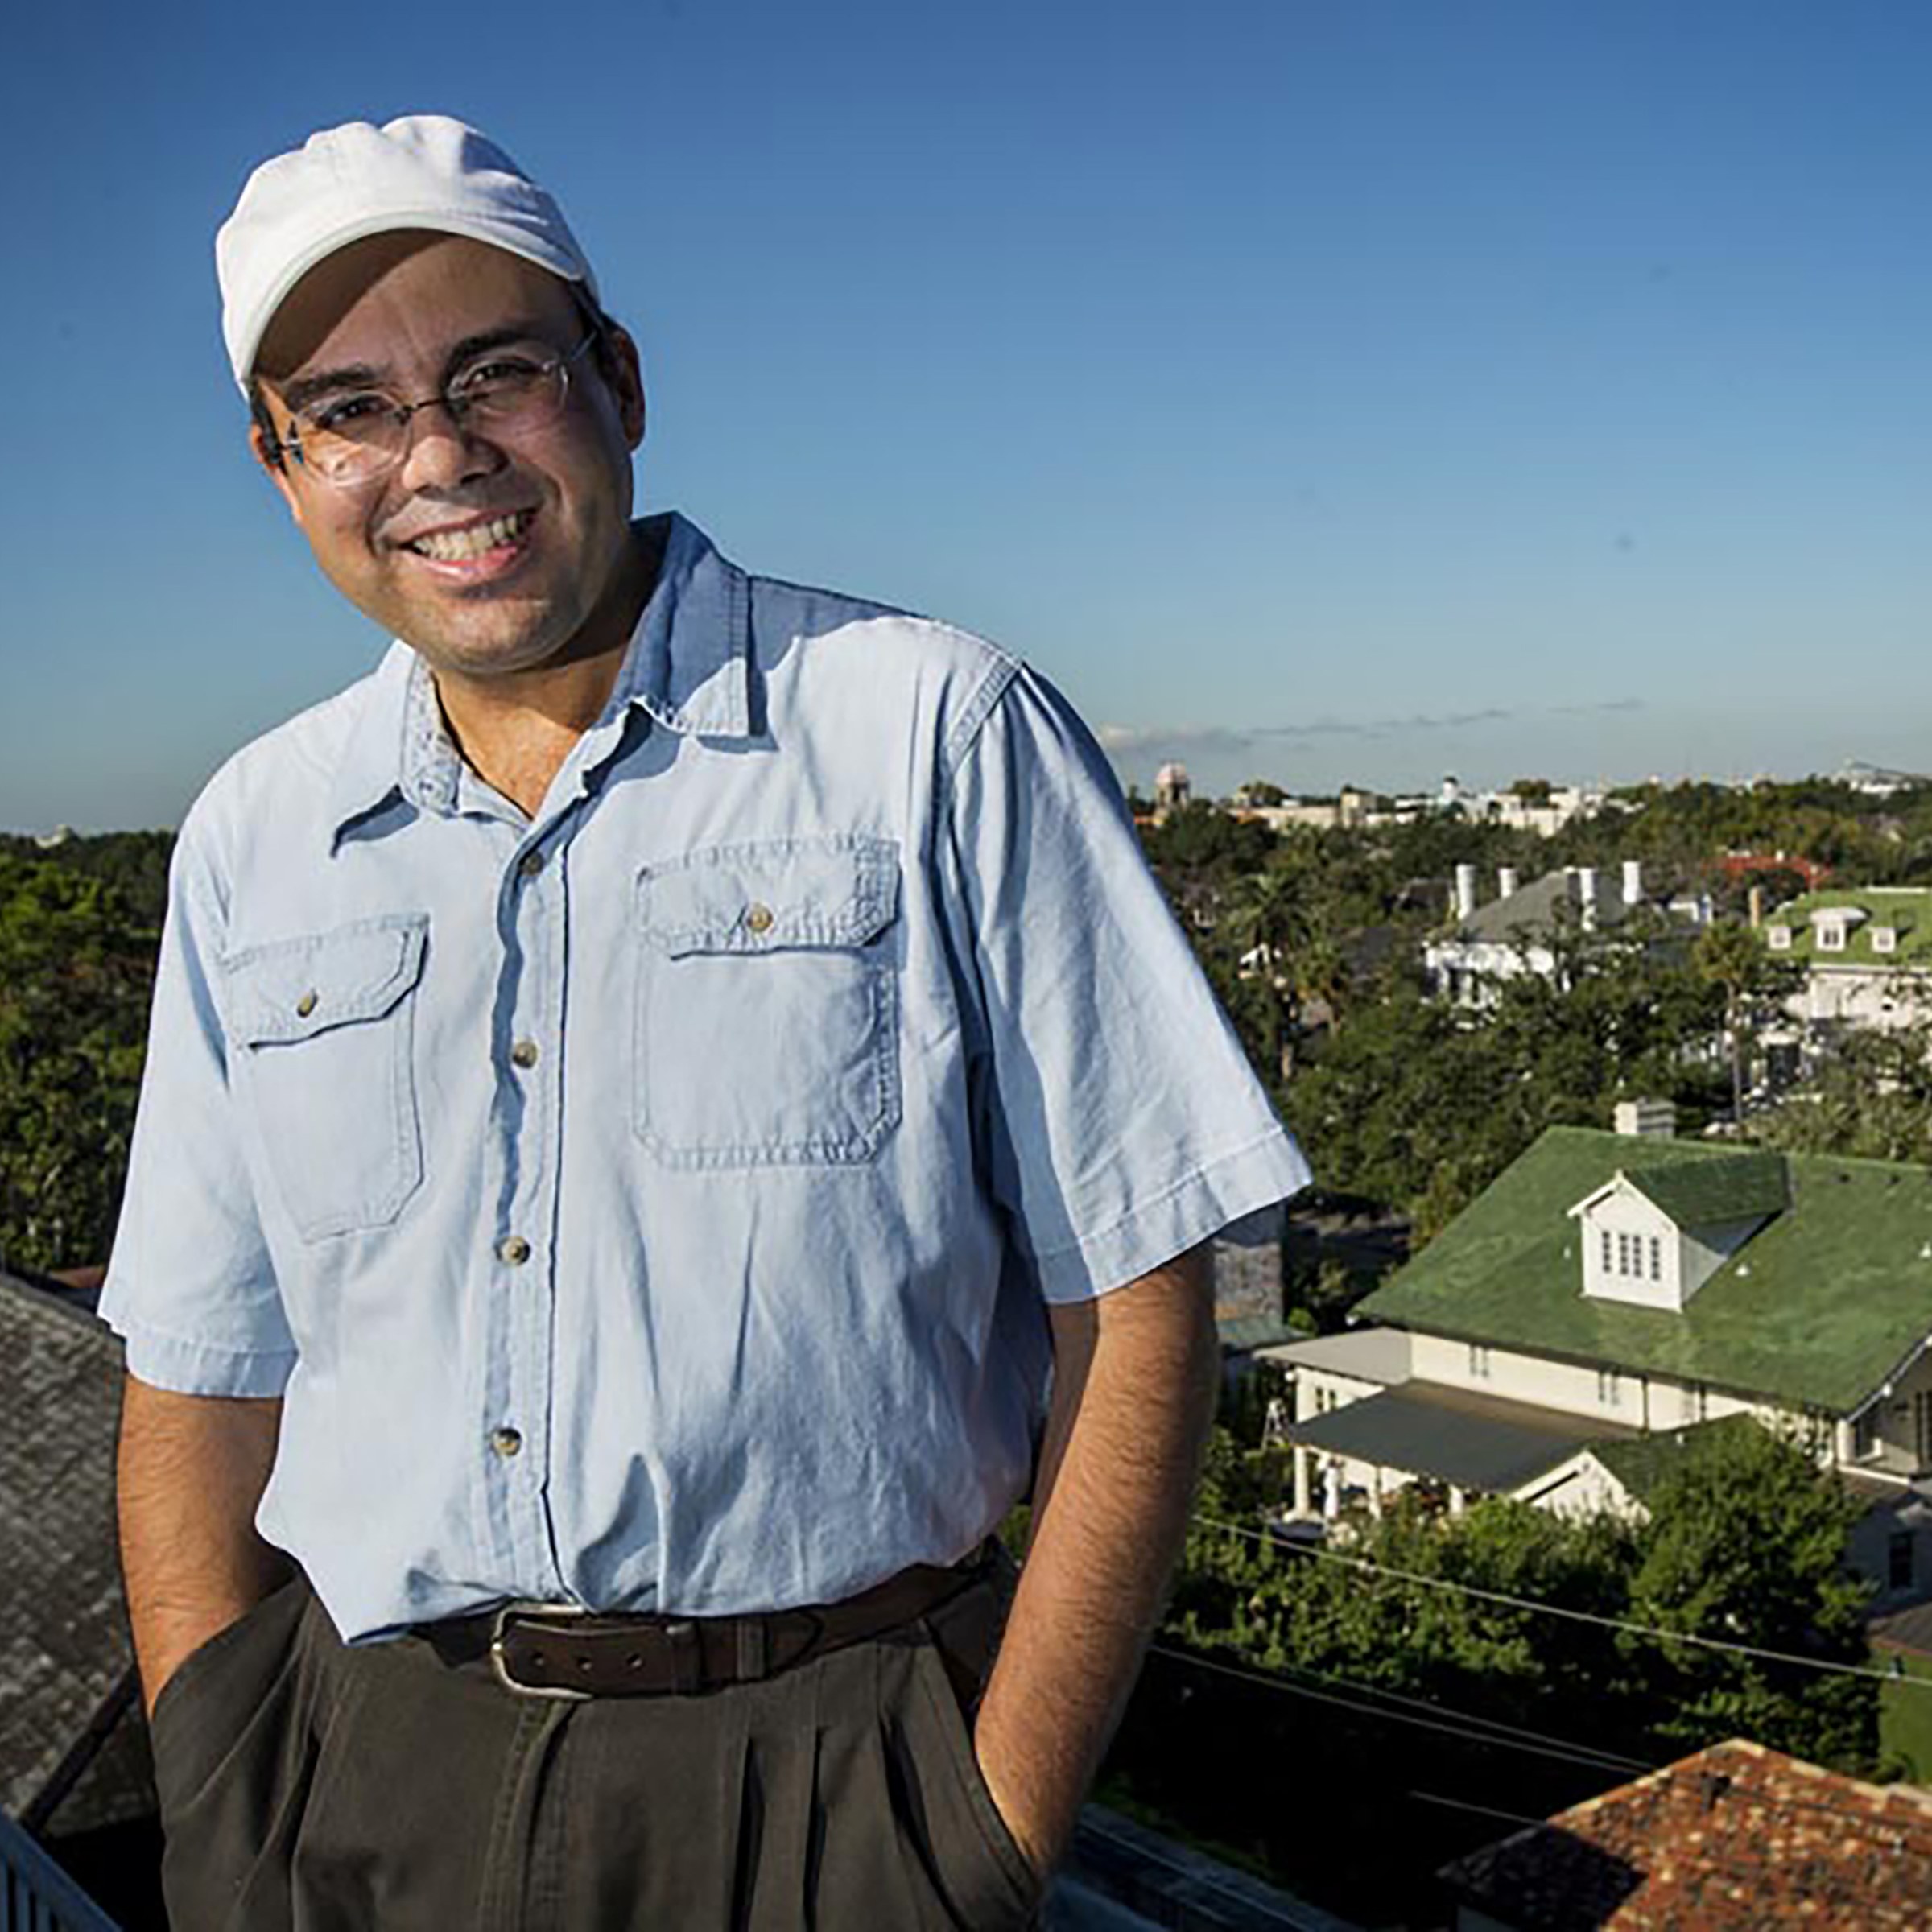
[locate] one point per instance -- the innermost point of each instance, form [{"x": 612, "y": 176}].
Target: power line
[
  {"x": 1463, "y": 1804},
  {"x": 1567, "y": 1754},
  {"x": 1562, "y": 1610},
  {"x": 1543, "y": 1743},
  {"x": 1568, "y": 1751},
  {"x": 1612, "y": 1761},
  {"x": 1700, "y": 1854}
]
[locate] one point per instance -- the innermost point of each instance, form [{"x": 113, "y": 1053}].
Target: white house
[
  {"x": 1866, "y": 956},
  {"x": 1524, "y": 928},
  {"x": 1609, "y": 1292}
]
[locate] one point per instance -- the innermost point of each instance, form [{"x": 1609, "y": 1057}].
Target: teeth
[{"x": 457, "y": 546}]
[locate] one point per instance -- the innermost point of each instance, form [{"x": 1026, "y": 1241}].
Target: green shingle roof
[
  {"x": 1906, "y": 909},
  {"x": 1733, "y": 1188},
  {"x": 1815, "y": 1310}
]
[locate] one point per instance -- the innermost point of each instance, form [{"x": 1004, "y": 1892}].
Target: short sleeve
[
  {"x": 190, "y": 1288},
  {"x": 1121, "y": 1123}
]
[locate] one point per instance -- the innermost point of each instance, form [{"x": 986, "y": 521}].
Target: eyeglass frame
[{"x": 402, "y": 413}]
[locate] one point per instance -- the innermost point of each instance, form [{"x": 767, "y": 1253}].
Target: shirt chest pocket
[
  {"x": 322, "y": 1029},
  {"x": 767, "y": 1003}
]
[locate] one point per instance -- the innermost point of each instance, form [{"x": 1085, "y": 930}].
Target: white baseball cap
[{"x": 421, "y": 171}]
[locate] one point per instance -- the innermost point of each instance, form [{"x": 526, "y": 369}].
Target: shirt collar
[{"x": 687, "y": 667}]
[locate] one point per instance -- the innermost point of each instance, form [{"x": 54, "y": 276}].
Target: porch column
[{"x": 1301, "y": 1481}]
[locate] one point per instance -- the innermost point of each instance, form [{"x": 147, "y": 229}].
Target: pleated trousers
[{"x": 309, "y": 1786}]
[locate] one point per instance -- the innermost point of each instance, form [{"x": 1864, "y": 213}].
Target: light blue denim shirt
[{"x": 653, "y": 1204}]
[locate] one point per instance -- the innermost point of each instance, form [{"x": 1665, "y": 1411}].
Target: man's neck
[{"x": 515, "y": 731}]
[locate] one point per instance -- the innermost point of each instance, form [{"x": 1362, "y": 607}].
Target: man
[{"x": 643, "y": 1088}]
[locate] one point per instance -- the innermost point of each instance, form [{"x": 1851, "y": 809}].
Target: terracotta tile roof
[{"x": 1736, "y": 1839}]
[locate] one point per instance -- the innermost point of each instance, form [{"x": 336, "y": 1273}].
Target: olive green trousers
[{"x": 307, "y": 1786}]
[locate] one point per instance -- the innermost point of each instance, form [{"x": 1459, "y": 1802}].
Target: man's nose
[{"x": 444, "y": 450}]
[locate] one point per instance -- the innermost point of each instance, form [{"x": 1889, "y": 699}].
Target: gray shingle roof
[
  {"x": 1475, "y": 1442},
  {"x": 1540, "y": 911},
  {"x": 64, "y": 1650}
]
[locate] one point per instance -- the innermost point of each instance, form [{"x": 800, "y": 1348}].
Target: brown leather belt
[{"x": 558, "y": 1650}]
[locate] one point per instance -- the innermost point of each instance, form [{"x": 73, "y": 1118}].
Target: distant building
[
  {"x": 1610, "y": 1292},
  {"x": 1544, "y": 813},
  {"x": 1734, "y": 1839},
  {"x": 1522, "y": 929},
  {"x": 1876, "y": 781},
  {"x": 1866, "y": 955},
  {"x": 1172, "y": 789},
  {"x": 1245, "y": 1264}
]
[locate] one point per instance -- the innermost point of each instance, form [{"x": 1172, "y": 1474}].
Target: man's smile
[{"x": 482, "y": 547}]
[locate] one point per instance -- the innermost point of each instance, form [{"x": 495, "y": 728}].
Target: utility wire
[
  {"x": 1511, "y": 1736},
  {"x": 1566, "y": 1754},
  {"x": 1580, "y": 1616},
  {"x": 1612, "y": 1761},
  {"x": 1698, "y": 1855}
]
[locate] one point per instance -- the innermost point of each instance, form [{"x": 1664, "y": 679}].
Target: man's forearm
[
  {"x": 191, "y": 1469},
  {"x": 1134, "y": 1378}
]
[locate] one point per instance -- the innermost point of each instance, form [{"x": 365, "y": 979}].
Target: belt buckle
[{"x": 499, "y": 1668}]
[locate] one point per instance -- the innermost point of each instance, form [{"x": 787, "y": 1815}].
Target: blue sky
[{"x": 1314, "y": 392}]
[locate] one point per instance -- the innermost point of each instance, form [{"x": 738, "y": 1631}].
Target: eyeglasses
[{"x": 362, "y": 434}]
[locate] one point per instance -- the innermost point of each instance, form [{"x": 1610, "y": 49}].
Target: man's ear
[
  {"x": 274, "y": 461},
  {"x": 624, "y": 376}
]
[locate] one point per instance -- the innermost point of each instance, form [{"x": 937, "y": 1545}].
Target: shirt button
[
  {"x": 758, "y": 918},
  {"x": 505, "y": 1442},
  {"x": 524, "y": 1053},
  {"x": 307, "y": 1003},
  {"x": 514, "y": 1249},
  {"x": 531, "y": 864}
]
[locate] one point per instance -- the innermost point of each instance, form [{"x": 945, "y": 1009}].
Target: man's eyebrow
[
  {"x": 301, "y": 390},
  {"x": 522, "y": 330}
]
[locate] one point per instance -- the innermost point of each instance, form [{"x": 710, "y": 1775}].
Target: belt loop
[
  {"x": 754, "y": 1652},
  {"x": 686, "y": 1655}
]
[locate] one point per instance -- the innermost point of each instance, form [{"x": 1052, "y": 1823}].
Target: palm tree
[
  {"x": 1268, "y": 927},
  {"x": 1733, "y": 957}
]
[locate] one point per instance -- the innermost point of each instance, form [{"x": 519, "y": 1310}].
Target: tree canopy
[{"x": 77, "y": 970}]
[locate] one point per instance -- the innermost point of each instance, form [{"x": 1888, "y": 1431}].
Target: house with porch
[
  {"x": 1610, "y": 1293},
  {"x": 1866, "y": 956}
]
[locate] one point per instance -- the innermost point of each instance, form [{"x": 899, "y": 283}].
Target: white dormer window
[
  {"x": 1831, "y": 938},
  {"x": 1885, "y": 939},
  {"x": 1781, "y": 938}
]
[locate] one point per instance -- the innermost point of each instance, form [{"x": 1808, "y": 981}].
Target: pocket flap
[
  {"x": 776, "y": 894},
  {"x": 296, "y": 989}
]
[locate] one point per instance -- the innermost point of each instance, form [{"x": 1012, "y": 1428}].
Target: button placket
[{"x": 521, "y": 1261}]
